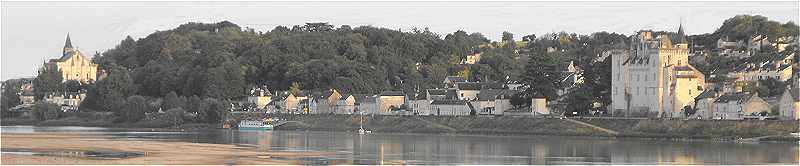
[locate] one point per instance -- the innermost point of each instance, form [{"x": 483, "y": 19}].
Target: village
[{"x": 641, "y": 88}]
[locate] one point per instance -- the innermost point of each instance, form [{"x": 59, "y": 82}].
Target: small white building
[{"x": 450, "y": 108}]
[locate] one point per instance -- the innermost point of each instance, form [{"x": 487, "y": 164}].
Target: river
[{"x": 378, "y": 148}]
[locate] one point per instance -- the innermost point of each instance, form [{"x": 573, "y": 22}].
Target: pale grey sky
[{"x": 34, "y": 31}]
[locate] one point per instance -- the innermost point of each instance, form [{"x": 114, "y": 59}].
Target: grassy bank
[{"x": 506, "y": 125}]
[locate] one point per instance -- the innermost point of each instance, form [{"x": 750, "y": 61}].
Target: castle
[
  {"x": 654, "y": 77},
  {"x": 73, "y": 65}
]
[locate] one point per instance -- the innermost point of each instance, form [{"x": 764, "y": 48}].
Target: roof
[
  {"x": 364, "y": 98},
  {"x": 707, "y": 94},
  {"x": 491, "y": 94},
  {"x": 738, "y": 97},
  {"x": 437, "y": 91},
  {"x": 344, "y": 97},
  {"x": 392, "y": 93},
  {"x": 468, "y": 86},
  {"x": 449, "y": 102},
  {"x": 455, "y": 79}
]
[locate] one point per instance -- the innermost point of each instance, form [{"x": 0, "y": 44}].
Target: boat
[
  {"x": 361, "y": 129},
  {"x": 255, "y": 125}
]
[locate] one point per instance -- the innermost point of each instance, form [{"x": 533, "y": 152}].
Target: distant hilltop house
[
  {"x": 73, "y": 65},
  {"x": 472, "y": 58},
  {"x": 654, "y": 77}
]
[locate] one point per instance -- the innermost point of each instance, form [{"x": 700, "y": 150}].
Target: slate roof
[
  {"x": 455, "y": 79},
  {"x": 392, "y": 93},
  {"x": 437, "y": 91},
  {"x": 468, "y": 86},
  {"x": 738, "y": 97},
  {"x": 492, "y": 94},
  {"x": 364, "y": 98},
  {"x": 449, "y": 102},
  {"x": 707, "y": 94}
]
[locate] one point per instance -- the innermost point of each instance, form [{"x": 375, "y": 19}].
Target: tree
[
  {"x": 48, "y": 81},
  {"x": 212, "y": 111},
  {"x": 42, "y": 111},
  {"x": 171, "y": 100},
  {"x": 542, "y": 77},
  {"x": 134, "y": 111},
  {"x": 295, "y": 88},
  {"x": 175, "y": 115},
  {"x": 112, "y": 91},
  {"x": 10, "y": 97}
]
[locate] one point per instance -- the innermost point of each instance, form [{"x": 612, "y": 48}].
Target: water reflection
[{"x": 381, "y": 148}]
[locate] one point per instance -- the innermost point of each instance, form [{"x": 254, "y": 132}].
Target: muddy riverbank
[{"x": 76, "y": 148}]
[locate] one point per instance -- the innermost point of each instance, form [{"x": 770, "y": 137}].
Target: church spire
[
  {"x": 681, "y": 35},
  {"x": 67, "y": 45}
]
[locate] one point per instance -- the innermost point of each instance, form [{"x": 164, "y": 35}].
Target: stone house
[
  {"x": 367, "y": 104},
  {"x": 325, "y": 102},
  {"x": 704, "y": 105},
  {"x": 293, "y": 103},
  {"x": 449, "y": 108},
  {"x": 390, "y": 100},
  {"x": 345, "y": 105},
  {"x": 736, "y": 106},
  {"x": 492, "y": 102},
  {"x": 260, "y": 97},
  {"x": 450, "y": 81},
  {"x": 468, "y": 90}
]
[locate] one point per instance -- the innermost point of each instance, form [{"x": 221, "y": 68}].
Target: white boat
[
  {"x": 254, "y": 125},
  {"x": 361, "y": 129}
]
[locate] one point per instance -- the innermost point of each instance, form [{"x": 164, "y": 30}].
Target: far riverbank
[{"x": 768, "y": 130}]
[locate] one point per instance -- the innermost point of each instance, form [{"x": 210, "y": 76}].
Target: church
[
  {"x": 73, "y": 65},
  {"x": 653, "y": 77}
]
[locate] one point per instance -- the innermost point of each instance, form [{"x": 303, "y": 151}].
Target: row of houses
[
  {"x": 456, "y": 97},
  {"x": 742, "y": 105}
]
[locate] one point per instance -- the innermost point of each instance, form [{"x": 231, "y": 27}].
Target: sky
[{"x": 33, "y": 32}]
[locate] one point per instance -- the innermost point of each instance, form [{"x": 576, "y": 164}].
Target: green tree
[
  {"x": 42, "y": 111},
  {"x": 212, "y": 110},
  {"x": 108, "y": 94},
  {"x": 48, "y": 81},
  {"x": 10, "y": 97},
  {"x": 134, "y": 111},
  {"x": 542, "y": 77}
]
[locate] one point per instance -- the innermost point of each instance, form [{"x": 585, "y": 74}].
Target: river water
[{"x": 382, "y": 148}]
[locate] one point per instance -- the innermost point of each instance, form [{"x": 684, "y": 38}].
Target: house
[
  {"x": 753, "y": 72},
  {"x": 260, "y": 97},
  {"x": 736, "y": 106},
  {"x": 367, "y": 104},
  {"x": 441, "y": 94},
  {"x": 450, "y": 81},
  {"x": 345, "y": 105},
  {"x": 468, "y": 90},
  {"x": 419, "y": 103},
  {"x": 539, "y": 106},
  {"x": 473, "y": 58},
  {"x": 389, "y": 101},
  {"x": 704, "y": 105},
  {"x": 449, "y": 108},
  {"x": 492, "y": 102},
  {"x": 292, "y": 102},
  {"x": 69, "y": 101},
  {"x": 325, "y": 102},
  {"x": 789, "y": 104}
]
